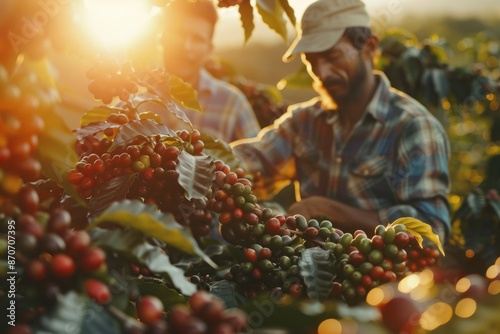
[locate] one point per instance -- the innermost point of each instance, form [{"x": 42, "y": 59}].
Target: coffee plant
[{"x": 125, "y": 225}]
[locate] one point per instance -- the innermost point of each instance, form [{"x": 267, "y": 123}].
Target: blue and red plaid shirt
[
  {"x": 227, "y": 114},
  {"x": 394, "y": 162}
]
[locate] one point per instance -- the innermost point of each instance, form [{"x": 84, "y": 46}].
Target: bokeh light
[
  {"x": 463, "y": 285},
  {"x": 436, "y": 315},
  {"x": 330, "y": 326},
  {"x": 465, "y": 308},
  {"x": 410, "y": 282},
  {"x": 494, "y": 288}
]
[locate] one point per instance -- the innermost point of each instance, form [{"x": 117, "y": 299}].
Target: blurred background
[{"x": 260, "y": 58}]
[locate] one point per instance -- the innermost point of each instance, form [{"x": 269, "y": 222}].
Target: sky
[{"x": 229, "y": 31}]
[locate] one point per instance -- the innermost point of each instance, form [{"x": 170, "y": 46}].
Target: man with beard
[{"x": 363, "y": 153}]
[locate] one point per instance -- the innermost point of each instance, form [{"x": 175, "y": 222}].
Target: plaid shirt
[
  {"x": 394, "y": 162},
  {"x": 227, "y": 114}
]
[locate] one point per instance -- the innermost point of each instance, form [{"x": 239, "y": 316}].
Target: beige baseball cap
[{"x": 324, "y": 22}]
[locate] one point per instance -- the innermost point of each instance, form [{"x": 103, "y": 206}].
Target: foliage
[{"x": 116, "y": 230}]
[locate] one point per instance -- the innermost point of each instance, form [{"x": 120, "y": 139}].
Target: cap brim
[{"x": 317, "y": 42}]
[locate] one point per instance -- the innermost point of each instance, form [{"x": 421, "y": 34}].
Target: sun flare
[{"x": 116, "y": 23}]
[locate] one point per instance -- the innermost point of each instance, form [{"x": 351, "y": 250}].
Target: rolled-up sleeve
[{"x": 271, "y": 152}]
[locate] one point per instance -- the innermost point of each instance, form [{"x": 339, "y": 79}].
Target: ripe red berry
[
  {"x": 237, "y": 214},
  {"x": 264, "y": 253},
  {"x": 149, "y": 310},
  {"x": 91, "y": 260},
  {"x": 273, "y": 226},
  {"x": 28, "y": 199},
  {"x": 36, "y": 270},
  {"x": 251, "y": 218},
  {"x": 77, "y": 242},
  {"x": 311, "y": 232},
  {"x": 97, "y": 291},
  {"x": 250, "y": 255},
  {"x": 62, "y": 266},
  {"x": 296, "y": 289},
  {"x": 378, "y": 242},
  {"x": 401, "y": 239},
  {"x": 59, "y": 221},
  {"x": 225, "y": 217}
]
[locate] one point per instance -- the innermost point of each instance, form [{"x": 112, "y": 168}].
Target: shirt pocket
[{"x": 368, "y": 179}]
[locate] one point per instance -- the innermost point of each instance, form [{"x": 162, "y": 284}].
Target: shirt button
[{"x": 338, "y": 160}]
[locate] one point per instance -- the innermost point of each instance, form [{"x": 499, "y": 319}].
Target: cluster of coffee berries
[
  {"x": 202, "y": 281},
  {"x": 90, "y": 144},
  {"x": 229, "y": 3},
  {"x": 365, "y": 263},
  {"x": 421, "y": 257},
  {"x": 361, "y": 263},
  {"x": 154, "y": 163},
  {"x": 231, "y": 197},
  {"x": 265, "y": 268},
  {"x": 110, "y": 80},
  {"x": 23, "y": 97},
  {"x": 50, "y": 255},
  {"x": 192, "y": 142},
  {"x": 205, "y": 314}
]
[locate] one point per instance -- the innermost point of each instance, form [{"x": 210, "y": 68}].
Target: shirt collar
[{"x": 379, "y": 104}]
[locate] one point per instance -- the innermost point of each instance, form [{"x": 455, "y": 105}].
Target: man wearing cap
[{"x": 363, "y": 153}]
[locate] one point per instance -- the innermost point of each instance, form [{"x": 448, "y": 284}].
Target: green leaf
[
  {"x": 412, "y": 67},
  {"x": 56, "y": 152},
  {"x": 219, "y": 150},
  {"x": 169, "y": 297},
  {"x": 272, "y": 15},
  {"x": 246, "y": 16},
  {"x": 67, "y": 316},
  {"x": 130, "y": 244},
  {"x": 225, "y": 290},
  {"x": 159, "y": 82},
  {"x": 317, "y": 267},
  {"x": 184, "y": 93},
  {"x": 420, "y": 230},
  {"x": 97, "y": 320},
  {"x": 98, "y": 114},
  {"x": 288, "y": 11},
  {"x": 114, "y": 190},
  {"x": 93, "y": 128},
  {"x": 495, "y": 205},
  {"x": 152, "y": 222},
  {"x": 476, "y": 202},
  {"x": 196, "y": 173},
  {"x": 143, "y": 127},
  {"x": 298, "y": 80}
]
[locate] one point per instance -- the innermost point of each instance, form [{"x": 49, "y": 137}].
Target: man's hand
[
  {"x": 314, "y": 206},
  {"x": 344, "y": 217}
]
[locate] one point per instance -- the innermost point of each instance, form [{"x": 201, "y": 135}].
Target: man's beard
[{"x": 355, "y": 87}]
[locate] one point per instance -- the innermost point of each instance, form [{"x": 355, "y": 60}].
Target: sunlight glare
[{"x": 116, "y": 22}]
